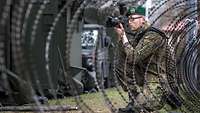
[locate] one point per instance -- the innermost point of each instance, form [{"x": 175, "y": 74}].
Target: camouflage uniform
[{"x": 138, "y": 57}]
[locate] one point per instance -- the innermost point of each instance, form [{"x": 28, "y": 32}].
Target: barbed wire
[{"x": 184, "y": 68}]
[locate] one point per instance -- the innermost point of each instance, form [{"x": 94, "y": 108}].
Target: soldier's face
[{"x": 136, "y": 21}]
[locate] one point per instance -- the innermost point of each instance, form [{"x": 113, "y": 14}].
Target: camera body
[{"x": 115, "y": 21}]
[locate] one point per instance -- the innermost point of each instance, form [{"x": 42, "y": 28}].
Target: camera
[{"x": 115, "y": 21}]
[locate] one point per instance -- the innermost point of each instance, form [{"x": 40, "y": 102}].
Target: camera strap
[{"x": 139, "y": 35}]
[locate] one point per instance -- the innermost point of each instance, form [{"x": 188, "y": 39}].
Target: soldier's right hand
[{"x": 120, "y": 31}]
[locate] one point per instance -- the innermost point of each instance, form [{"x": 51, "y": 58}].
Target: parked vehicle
[{"x": 95, "y": 49}]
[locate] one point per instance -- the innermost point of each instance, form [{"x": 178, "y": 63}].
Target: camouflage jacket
[
  {"x": 142, "y": 62},
  {"x": 140, "y": 56}
]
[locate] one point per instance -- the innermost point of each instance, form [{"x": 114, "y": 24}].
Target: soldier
[{"x": 141, "y": 63}]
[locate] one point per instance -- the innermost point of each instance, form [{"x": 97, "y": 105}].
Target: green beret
[{"x": 140, "y": 10}]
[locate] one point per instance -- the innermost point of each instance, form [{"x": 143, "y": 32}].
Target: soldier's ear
[{"x": 143, "y": 19}]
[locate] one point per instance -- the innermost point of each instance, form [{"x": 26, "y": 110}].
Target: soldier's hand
[{"x": 120, "y": 31}]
